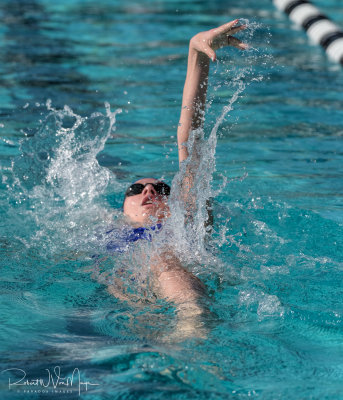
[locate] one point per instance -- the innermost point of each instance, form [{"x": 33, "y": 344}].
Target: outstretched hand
[
  {"x": 202, "y": 47},
  {"x": 208, "y": 42}
]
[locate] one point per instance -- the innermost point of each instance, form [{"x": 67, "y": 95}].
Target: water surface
[{"x": 273, "y": 265}]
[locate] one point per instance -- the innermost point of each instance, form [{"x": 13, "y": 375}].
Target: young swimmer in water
[{"x": 147, "y": 199}]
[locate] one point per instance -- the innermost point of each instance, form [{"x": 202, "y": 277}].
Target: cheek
[
  {"x": 164, "y": 200},
  {"x": 163, "y": 204},
  {"x": 130, "y": 205}
]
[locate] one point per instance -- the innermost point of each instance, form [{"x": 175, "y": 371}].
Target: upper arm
[{"x": 174, "y": 282}]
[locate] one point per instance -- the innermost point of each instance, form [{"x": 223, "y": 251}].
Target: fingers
[
  {"x": 209, "y": 41},
  {"x": 232, "y": 41},
  {"x": 210, "y": 53},
  {"x": 226, "y": 27},
  {"x": 237, "y": 29}
]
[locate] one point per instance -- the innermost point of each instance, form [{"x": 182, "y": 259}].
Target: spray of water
[
  {"x": 193, "y": 239},
  {"x": 57, "y": 181},
  {"x": 57, "y": 186}
]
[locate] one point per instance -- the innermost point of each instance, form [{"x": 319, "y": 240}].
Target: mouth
[{"x": 147, "y": 202}]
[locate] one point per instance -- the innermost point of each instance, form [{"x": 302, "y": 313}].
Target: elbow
[{"x": 179, "y": 286}]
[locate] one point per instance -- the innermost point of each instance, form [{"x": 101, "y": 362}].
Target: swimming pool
[{"x": 274, "y": 263}]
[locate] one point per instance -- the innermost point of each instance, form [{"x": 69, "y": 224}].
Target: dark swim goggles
[{"x": 137, "y": 188}]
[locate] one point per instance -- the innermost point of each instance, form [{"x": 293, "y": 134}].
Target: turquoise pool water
[{"x": 273, "y": 264}]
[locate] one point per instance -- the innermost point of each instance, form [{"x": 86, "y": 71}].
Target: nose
[{"x": 149, "y": 189}]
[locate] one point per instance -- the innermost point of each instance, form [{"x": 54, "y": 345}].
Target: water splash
[
  {"x": 57, "y": 186},
  {"x": 198, "y": 237},
  {"x": 57, "y": 182}
]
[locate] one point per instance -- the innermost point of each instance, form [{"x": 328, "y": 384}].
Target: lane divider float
[{"x": 318, "y": 26}]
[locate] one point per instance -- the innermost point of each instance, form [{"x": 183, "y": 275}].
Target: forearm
[
  {"x": 202, "y": 49},
  {"x": 193, "y": 99}
]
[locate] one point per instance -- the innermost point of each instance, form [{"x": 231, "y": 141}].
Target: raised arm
[{"x": 202, "y": 48}]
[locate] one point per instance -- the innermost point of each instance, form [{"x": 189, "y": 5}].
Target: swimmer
[{"x": 146, "y": 201}]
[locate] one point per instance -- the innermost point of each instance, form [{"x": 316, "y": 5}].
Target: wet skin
[{"x": 147, "y": 207}]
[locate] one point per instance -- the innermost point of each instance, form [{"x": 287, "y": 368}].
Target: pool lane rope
[{"x": 317, "y": 26}]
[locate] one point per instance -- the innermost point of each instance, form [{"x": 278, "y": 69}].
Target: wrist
[{"x": 197, "y": 57}]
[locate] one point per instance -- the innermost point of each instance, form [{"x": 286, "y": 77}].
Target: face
[{"x": 142, "y": 208}]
